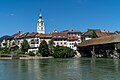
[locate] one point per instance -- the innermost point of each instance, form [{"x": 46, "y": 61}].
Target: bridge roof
[{"x": 101, "y": 40}]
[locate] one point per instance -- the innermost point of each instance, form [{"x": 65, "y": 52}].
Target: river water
[{"x": 60, "y": 69}]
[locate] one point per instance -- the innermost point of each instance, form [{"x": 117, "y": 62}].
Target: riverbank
[{"x": 29, "y": 57}]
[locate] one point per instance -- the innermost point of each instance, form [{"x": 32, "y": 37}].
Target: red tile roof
[
  {"x": 98, "y": 32},
  {"x": 59, "y": 35},
  {"x": 17, "y": 35},
  {"x": 44, "y": 35},
  {"x": 33, "y": 34}
]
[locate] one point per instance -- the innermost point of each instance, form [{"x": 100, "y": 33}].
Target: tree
[
  {"x": 63, "y": 52},
  {"x": 51, "y": 44},
  {"x": 43, "y": 49},
  {"x": 25, "y": 45},
  {"x": 94, "y": 35},
  {"x": 4, "y": 50}
]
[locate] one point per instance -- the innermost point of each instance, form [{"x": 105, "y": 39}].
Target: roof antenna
[{"x": 40, "y": 12}]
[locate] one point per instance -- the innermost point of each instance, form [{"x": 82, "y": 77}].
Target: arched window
[
  {"x": 32, "y": 41},
  {"x": 37, "y": 41}
]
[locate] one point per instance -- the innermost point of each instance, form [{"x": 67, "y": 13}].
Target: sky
[{"x": 22, "y": 15}]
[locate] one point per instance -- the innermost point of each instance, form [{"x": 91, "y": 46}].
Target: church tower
[{"x": 40, "y": 25}]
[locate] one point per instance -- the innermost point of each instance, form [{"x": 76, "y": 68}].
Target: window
[
  {"x": 41, "y": 28},
  {"x": 37, "y": 41},
  {"x": 41, "y": 23},
  {"x": 64, "y": 42},
  {"x": 59, "y": 36},
  {"x": 32, "y": 41}
]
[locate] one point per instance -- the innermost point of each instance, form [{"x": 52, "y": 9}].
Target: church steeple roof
[{"x": 40, "y": 16}]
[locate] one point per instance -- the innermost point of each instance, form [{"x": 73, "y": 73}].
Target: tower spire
[{"x": 40, "y": 13}]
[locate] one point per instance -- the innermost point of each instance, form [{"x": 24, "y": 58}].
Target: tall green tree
[
  {"x": 43, "y": 49},
  {"x": 51, "y": 45},
  {"x": 25, "y": 45},
  {"x": 94, "y": 35}
]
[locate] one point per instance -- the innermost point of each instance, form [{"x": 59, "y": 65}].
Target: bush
[
  {"x": 18, "y": 51},
  {"x": 4, "y": 50},
  {"x": 31, "y": 54},
  {"x": 38, "y": 54},
  {"x": 63, "y": 52}
]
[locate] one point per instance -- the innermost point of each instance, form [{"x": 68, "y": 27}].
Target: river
[{"x": 60, "y": 69}]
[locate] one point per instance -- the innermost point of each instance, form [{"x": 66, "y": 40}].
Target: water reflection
[{"x": 60, "y": 69}]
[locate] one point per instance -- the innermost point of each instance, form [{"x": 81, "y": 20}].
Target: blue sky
[{"x": 22, "y": 15}]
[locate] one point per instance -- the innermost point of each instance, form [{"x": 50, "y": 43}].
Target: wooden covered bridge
[{"x": 108, "y": 46}]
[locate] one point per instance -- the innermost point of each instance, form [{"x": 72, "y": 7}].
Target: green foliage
[
  {"x": 94, "y": 35},
  {"x": 51, "y": 43},
  {"x": 25, "y": 46},
  {"x": 43, "y": 49},
  {"x": 63, "y": 52},
  {"x": 51, "y": 46},
  {"x": 4, "y": 50},
  {"x": 38, "y": 54},
  {"x": 17, "y": 51},
  {"x": 31, "y": 53}
]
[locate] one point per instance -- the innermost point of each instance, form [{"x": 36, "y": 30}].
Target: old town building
[{"x": 99, "y": 33}]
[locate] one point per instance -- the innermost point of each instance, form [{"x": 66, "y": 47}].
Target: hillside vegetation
[{"x": 4, "y": 37}]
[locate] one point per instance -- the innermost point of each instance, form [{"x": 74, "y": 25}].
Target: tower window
[
  {"x": 42, "y": 24},
  {"x": 41, "y": 28}
]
